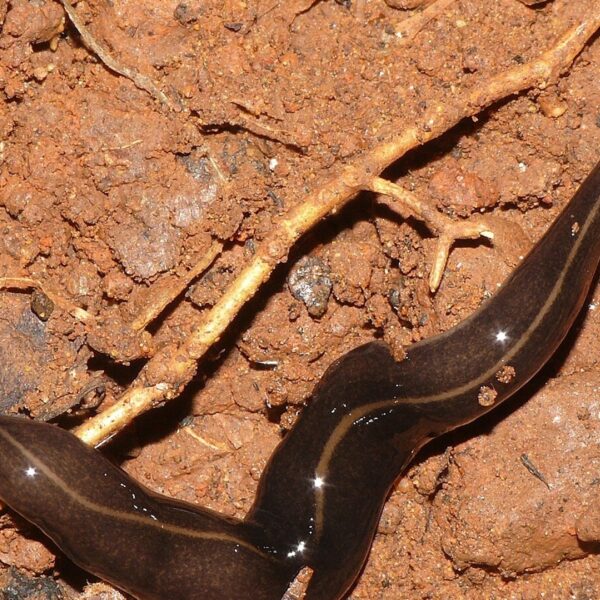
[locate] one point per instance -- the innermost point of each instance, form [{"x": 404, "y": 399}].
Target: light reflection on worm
[{"x": 321, "y": 495}]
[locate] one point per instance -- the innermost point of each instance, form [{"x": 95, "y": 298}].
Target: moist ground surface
[{"x": 105, "y": 196}]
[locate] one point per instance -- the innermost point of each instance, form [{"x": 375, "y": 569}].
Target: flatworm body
[{"x": 321, "y": 495}]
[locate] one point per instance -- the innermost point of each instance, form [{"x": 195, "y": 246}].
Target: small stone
[
  {"x": 462, "y": 191},
  {"x": 184, "y": 14},
  {"x": 40, "y": 73},
  {"x": 41, "y": 305},
  {"x": 116, "y": 285},
  {"x": 310, "y": 282},
  {"x": 552, "y": 106},
  {"x": 235, "y": 27}
]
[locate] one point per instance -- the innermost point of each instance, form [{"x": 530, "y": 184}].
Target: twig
[
  {"x": 297, "y": 589},
  {"x": 161, "y": 298},
  {"x": 409, "y": 28},
  {"x": 170, "y": 370},
  {"x": 102, "y": 331},
  {"x": 448, "y": 230},
  {"x": 141, "y": 81}
]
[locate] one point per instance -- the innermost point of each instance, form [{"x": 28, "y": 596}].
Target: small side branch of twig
[
  {"x": 409, "y": 28},
  {"x": 447, "y": 230}
]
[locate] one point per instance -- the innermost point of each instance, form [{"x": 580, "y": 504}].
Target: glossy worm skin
[{"x": 322, "y": 492}]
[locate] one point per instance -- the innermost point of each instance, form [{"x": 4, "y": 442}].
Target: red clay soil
[{"x": 105, "y": 194}]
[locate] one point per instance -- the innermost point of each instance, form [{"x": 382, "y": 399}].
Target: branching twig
[
  {"x": 448, "y": 231},
  {"x": 169, "y": 371}
]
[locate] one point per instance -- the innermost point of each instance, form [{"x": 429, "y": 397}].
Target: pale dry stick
[
  {"x": 141, "y": 81},
  {"x": 161, "y": 298},
  {"x": 170, "y": 370},
  {"x": 407, "y": 30},
  {"x": 297, "y": 589}
]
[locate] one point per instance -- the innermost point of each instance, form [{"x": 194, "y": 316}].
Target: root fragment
[
  {"x": 107, "y": 334},
  {"x": 408, "y": 29},
  {"x": 141, "y": 81}
]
